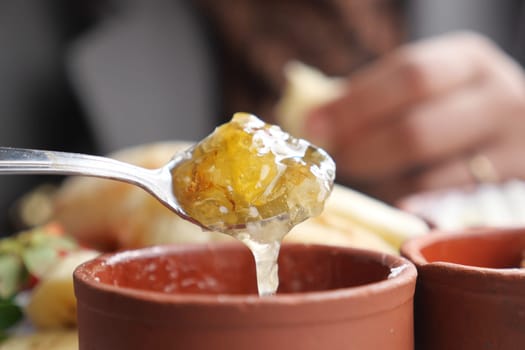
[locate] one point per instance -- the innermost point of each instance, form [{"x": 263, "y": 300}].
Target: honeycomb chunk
[{"x": 248, "y": 171}]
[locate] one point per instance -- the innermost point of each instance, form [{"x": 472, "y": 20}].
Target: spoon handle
[{"x": 31, "y": 161}]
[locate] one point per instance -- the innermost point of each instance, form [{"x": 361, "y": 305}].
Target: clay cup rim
[{"x": 398, "y": 287}]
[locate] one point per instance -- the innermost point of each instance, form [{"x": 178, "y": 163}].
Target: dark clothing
[{"x": 255, "y": 39}]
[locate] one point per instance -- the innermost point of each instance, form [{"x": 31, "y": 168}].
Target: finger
[
  {"x": 451, "y": 174},
  {"x": 412, "y": 74},
  {"x": 435, "y": 130},
  {"x": 454, "y": 173},
  {"x": 499, "y": 163},
  {"x": 506, "y": 158}
]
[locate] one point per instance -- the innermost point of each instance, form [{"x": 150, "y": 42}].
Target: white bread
[{"x": 306, "y": 88}]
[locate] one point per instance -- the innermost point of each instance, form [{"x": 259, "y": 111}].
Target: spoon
[
  {"x": 157, "y": 182},
  {"x": 245, "y": 174}
]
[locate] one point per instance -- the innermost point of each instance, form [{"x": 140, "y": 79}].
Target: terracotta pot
[
  {"x": 470, "y": 291},
  {"x": 204, "y": 297}
]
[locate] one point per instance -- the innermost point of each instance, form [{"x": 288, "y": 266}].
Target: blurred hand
[{"x": 412, "y": 120}]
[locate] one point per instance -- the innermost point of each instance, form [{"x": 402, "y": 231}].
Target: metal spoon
[{"x": 158, "y": 182}]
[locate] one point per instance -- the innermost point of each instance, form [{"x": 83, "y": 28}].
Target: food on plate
[
  {"x": 52, "y": 303},
  {"x": 486, "y": 204},
  {"x": 26, "y": 256},
  {"x": 36, "y": 279},
  {"x": 360, "y": 221}
]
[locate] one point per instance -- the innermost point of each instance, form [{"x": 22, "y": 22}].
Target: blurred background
[{"x": 98, "y": 76}]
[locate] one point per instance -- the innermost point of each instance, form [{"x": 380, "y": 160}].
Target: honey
[
  {"x": 255, "y": 182},
  {"x": 247, "y": 171}
]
